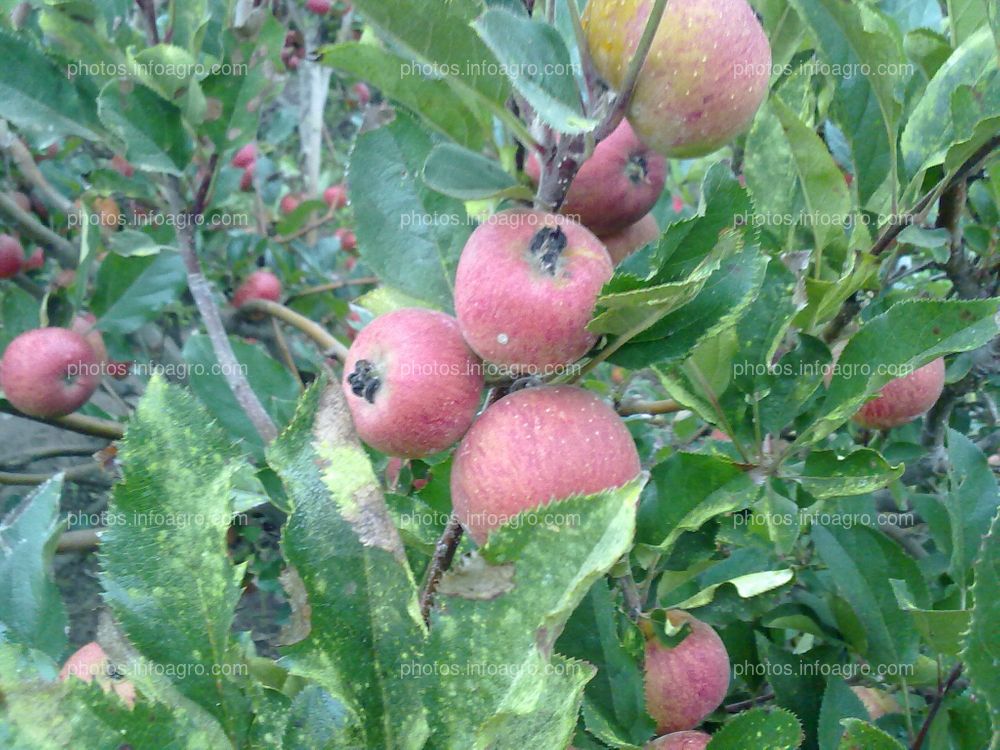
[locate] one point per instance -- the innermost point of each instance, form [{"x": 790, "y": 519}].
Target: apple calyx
[
  {"x": 364, "y": 381},
  {"x": 547, "y": 246},
  {"x": 637, "y": 169}
]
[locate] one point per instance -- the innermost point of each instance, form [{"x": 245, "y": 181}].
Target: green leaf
[
  {"x": 791, "y": 382},
  {"x": 966, "y": 17},
  {"x": 132, "y": 291},
  {"x": 759, "y": 729},
  {"x": 771, "y": 176},
  {"x": 468, "y": 176},
  {"x": 861, "y": 735},
  {"x": 318, "y": 720},
  {"x": 971, "y": 500},
  {"x": 975, "y": 110},
  {"x": 410, "y": 235},
  {"x": 981, "y": 650},
  {"x": 384, "y": 299},
  {"x": 405, "y": 81},
  {"x": 537, "y": 62},
  {"x": 941, "y": 629},
  {"x": 828, "y": 474},
  {"x": 165, "y": 569},
  {"x": 519, "y": 589},
  {"x": 149, "y": 127},
  {"x": 747, "y": 586},
  {"x": 31, "y": 610},
  {"x": 907, "y": 336},
  {"x": 839, "y": 703},
  {"x": 36, "y": 94},
  {"x": 362, "y": 620}
]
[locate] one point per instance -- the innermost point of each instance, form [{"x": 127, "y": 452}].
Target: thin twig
[
  {"x": 334, "y": 285},
  {"x": 286, "y": 353},
  {"x": 444, "y": 553},
  {"x": 329, "y": 345},
  {"x": 311, "y": 226},
  {"x": 735, "y": 708},
  {"x": 78, "y": 423},
  {"x": 81, "y": 540},
  {"x": 936, "y": 706},
  {"x": 30, "y": 171},
  {"x": 632, "y": 408},
  {"x": 71, "y": 473},
  {"x": 66, "y": 253}
]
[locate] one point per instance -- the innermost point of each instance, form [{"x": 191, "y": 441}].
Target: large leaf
[
  {"x": 150, "y": 128},
  {"x": 165, "y": 568},
  {"x": 468, "y": 176},
  {"x": 972, "y": 500},
  {"x": 518, "y": 592},
  {"x": 758, "y": 729},
  {"x": 360, "y": 610},
  {"x": 860, "y": 735},
  {"x": 982, "y": 642},
  {"x": 131, "y": 291},
  {"x": 828, "y": 474},
  {"x": 31, "y": 611},
  {"x": 839, "y": 703},
  {"x": 410, "y": 235}
]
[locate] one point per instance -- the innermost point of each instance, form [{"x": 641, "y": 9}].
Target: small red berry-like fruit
[
  {"x": 335, "y": 196},
  {"x": 631, "y": 238},
  {"x": 534, "y": 446},
  {"x": 91, "y": 663},
  {"x": 680, "y": 741},
  {"x": 246, "y": 179},
  {"x": 319, "y": 7},
  {"x": 246, "y": 156},
  {"x": 11, "y": 256},
  {"x": 904, "y": 399},
  {"x": 49, "y": 372},
  {"x": 86, "y": 325},
  {"x": 684, "y": 684},
  {"x": 290, "y": 202},
  {"x": 412, "y": 384},
  {"x": 258, "y": 285},
  {"x": 348, "y": 241},
  {"x": 34, "y": 261},
  {"x": 362, "y": 94},
  {"x": 121, "y": 166}
]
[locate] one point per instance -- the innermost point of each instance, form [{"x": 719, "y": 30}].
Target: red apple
[
  {"x": 258, "y": 285},
  {"x": 412, "y": 384},
  {"x": 121, "y": 166},
  {"x": 11, "y": 256},
  {"x": 319, "y": 7},
  {"x": 904, "y": 399},
  {"x": 707, "y": 72},
  {"x": 680, "y": 741},
  {"x": 86, "y": 325},
  {"x": 290, "y": 202},
  {"x": 34, "y": 261},
  {"x": 361, "y": 93},
  {"x": 631, "y": 238},
  {"x": 526, "y": 287},
  {"x": 534, "y": 446},
  {"x": 684, "y": 684},
  {"x": 348, "y": 241},
  {"x": 49, "y": 372},
  {"x": 91, "y": 663},
  {"x": 246, "y": 179},
  {"x": 245, "y": 157},
  {"x": 335, "y": 196},
  {"x": 616, "y": 186}
]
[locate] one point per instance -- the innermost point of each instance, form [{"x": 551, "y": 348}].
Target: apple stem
[
  {"x": 329, "y": 345},
  {"x": 78, "y": 423},
  {"x": 444, "y": 553}
]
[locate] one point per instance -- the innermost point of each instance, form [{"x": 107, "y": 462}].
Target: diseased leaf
[
  {"x": 758, "y": 729},
  {"x": 828, "y": 474}
]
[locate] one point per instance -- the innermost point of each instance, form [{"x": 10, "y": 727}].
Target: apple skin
[
  {"x": 258, "y": 285},
  {"x": 616, "y": 186},
  {"x": 534, "y": 446},
  {"x": 11, "y": 256},
  {"x": 362, "y": 94},
  {"x": 686, "y": 683},
  {"x": 34, "y": 261},
  {"x": 878, "y": 703},
  {"x": 706, "y": 75},
  {"x": 622, "y": 244},
  {"x": 319, "y": 7},
  {"x": 904, "y": 399},
  {"x": 34, "y": 372},
  {"x": 290, "y": 202},
  {"x": 90, "y": 662},
  {"x": 246, "y": 179},
  {"x": 86, "y": 325},
  {"x": 348, "y": 240},
  {"x": 526, "y": 310},
  {"x": 245, "y": 157},
  {"x": 335, "y": 196},
  {"x": 680, "y": 741},
  {"x": 424, "y": 386}
]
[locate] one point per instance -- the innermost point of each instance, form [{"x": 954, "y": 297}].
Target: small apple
[
  {"x": 107, "y": 213},
  {"x": 290, "y": 203},
  {"x": 616, "y": 186},
  {"x": 361, "y": 94},
  {"x": 121, "y": 166},
  {"x": 526, "y": 287},
  {"x": 34, "y": 261},
  {"x": 246, "y": 179},
  {"x": 49, "y": 372},
  {"x": 335, "y": 196},
  {"x": 348, "y": 240},
  {"x": 319, "y": 7},
  {"x": 412, "y": 384},
  {"x": 258, "y": 285},
  {"x": 91, "y": 663},
  {"x": 86, "y": 325},
  {"x": 904, "y": 399},
  {"x": 877, "y": 702},
  {"x": 534, "y": 446},
  {"x": 684, "y": 684},
  {"x": 707, "y": 72},
  {"x": 631, "y": 238},
  {"x": 680, "y": 741},
  {"x": 245, "y": 157},
  {"x": 11, "y": 256}
]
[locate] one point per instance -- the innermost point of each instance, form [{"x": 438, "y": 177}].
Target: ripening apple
[
  {"x": 526, "y": 287},
  {"x": 258, "y": 285},
  {"x": 246, "y": 179},
  {"x": 11, "y": 256},
  {"x": 904, "y": 399},
  {"x": 684, "y": 684},
  {"x": 361, "y": 94},
  {"x": 705, "y": 77},
  {"x": 348, "y": 240},
  {"x": 22, "y": 200},
  {"x": 290, "y": 202},
  {"x": 534, "y": 446},
  {"x": 49, "y": 372},
  {"x": 412, "y": 384},
  {"x": 245, "y": 157},
  {"x": 34, "y": 261},
  {"x": 877, "y": 702},
  {"x": 91, "y": 663},
  {"x": 622, "y": 244},
  {"x": 616, "y": 186},
  {"x": 680, "y": 741},
  {"x": 319, "y": 7},
  {"x": 86, "y": 325},
  {"x": 335, "y": 196}
]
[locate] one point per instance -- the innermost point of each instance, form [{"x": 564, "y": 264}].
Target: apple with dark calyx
[
  {"x": 11, "y": 256},
  {"x": 258, "y": 285},
  {"x": 348, "y": 240},
  {"x": 877, "y": 702},
  {"x": 686, "y": 683},
  {"x": 534, "y": 446},
  {"x": 526, "y": 287},
  {"x": 86, "y": 325},
  {"x": 631, "y": 238},
  {"x": 616, "y": 186},
  {"x": 335, "y": 196},
  {"x": 680, "y": 741},
  {"x": 412, "y": 384},
  {"x": 290, "y": 202},
  {"x": 245, "y": 157},
  {"x": 34, "y": 261},
  {"x": 91, "y": 663},
  {"x": 707, "y": 72},
  {"x": 49, "y": 372},
  {"x": 904, "y": 399}
]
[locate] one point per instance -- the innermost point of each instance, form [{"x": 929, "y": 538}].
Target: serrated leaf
[
  {"x": 131, "y": 291},
  {"x": 556, "y": 553},
  {"x": 384, "y": 299},
  {"x": 839, "y": 703},
  {"x": 860, "y": 735},
  {"x": 758, "y": 729},
  {"x": 941, "y": 629},
  {"x": 981, "y": 651},
  {"x": 827, "y": 474},
  {"x": 975, "y": 110},
  {"x": 362, "y": 619},
  {"x": 31, "y": 610},
  {"x": 317, "y": 720},
  {"x": 410, "y": 235},
  {"x": 467, "y": 175},
  {"x": 908, "y": 335},
  {"x": 747, "y": 586},
  {"x": 149, "y": 127},
  {"x": 971, "y": 500},
  {"x": 165, "y": 568}
]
